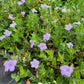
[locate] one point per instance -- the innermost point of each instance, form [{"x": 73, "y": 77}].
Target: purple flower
[
  {"x": 82, "y": 19},
  {"x": 28, "y": 1},
  {"x": 2, "y": 37},
  {"x": 34, "y": 10},
  {"x": 54, "y": 21},
  {"x": 23, "y": 13},
  {"x": 32, "y": 44},
  {"x": 42, "y": 46},
  {"x": 10, "y": 65},
  {"x": 34, "y": 63},
  {"x": 46, "y": 36},
  {"x": 20, "y": 3},
  {"x": 11, "y": 17},
  {"x": 44, "y": 5},
  {"x": 64, "y": 10},
  {"x": 70, "y": 44},
  {"x": 68, "y": 27},
  {"x": 68, "y": 10},
  {"x": 66, "y": 70},
  {"x": 56, "y": 8},
  {"x": 12, "y": 25},
  {"x": 76, "y": 23},
  {"x": 7, "y": 33},
  {"x": 23, "y": 1}
]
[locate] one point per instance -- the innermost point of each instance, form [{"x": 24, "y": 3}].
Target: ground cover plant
[{"x": 45, "y": 39}]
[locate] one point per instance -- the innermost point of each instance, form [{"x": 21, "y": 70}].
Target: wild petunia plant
[{"x": 45, "y": 40}]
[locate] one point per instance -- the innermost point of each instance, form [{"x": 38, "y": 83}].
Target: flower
[
  {"x": 28, "y": 1},
  {"x": 82, "y": 19},
  {"x": 68, "y": 27},
  {"x": 10, "y": 65},
  {"x": 23, "y": 13},
  {"x": 65, "y": 10},
  {"x": 11, "y": 17},
  {"x": 34, "y": 10},
  {"x": 1, "y": 38},
  {"x": 70, "y": 44},
  {"x": 54, "y": 22},
  {"x": 56, "y": 8},
  {"x": 34, "y": 63},
  {"x": 46, "y": 36},
  {"x": 44, "y": 5},
  {"x": 66, "y": 70},
  {"x": 12, "y": 25},
  {"x": 23, "y": 1},
  {"x": 7, "y": 33},
  {"x": 32, "y": 43},
  {"x": 76, "y": 23},
  {"x": 20, "y": 3},
  {"x": 42, "y": 46}
]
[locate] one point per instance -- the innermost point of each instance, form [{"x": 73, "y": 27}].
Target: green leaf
[
  {"x": 13, "y": 76},
  {"x": 17, "y": 78},
  {"x": 21, "y": 70}
]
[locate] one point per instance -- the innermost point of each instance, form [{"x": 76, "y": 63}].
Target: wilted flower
[
  {"x": 46, "y": 36},
  {"x": 68, "y": 27},
  {"x": 76, "y": 23},
  {"x": 66, "y": 70},
  {"x": 23, "y": 13},
  {"x": 20, "y": 3},
  {"x": 34, "y": 10},
  {"x": 10, "y": 65},
  {"x": 12, "y": 25},
  {"x": 7, "y": 33},
  {"x": 1, "y": 38},
  {"x": 34, "y": 63},
  {"x": 70, "y": 44},
  {"x": 11, "y": 17},
  {"x": 42, "y": 46}
]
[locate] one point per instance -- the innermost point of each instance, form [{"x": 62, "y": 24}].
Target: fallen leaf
[{"x": 27, "y": 82}]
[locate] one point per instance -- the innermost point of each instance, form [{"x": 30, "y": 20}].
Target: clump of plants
[{"x": 45, "y": 39}]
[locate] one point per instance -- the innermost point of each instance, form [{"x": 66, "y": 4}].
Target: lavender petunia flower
[
  {"x": 46, "y": 36},
  {"x": 68, "y": 27},
  {"x": 42, "y": 46},
  {"x": 10, "y": 65},
  {"x": 34, "y": 63},
  {"x": 66, "y": 70},
  {"x": 64, "y": 10},
  {"x": 82, "y": 19},
  {"x": 28, "y": 1},
  {"x": 56, "y": 8},
  {"x": 7, "y": 33},
  {"x": 20, "y": 3},
  {"x": 34, "y": 10},
  {"x": 76, "y": 23},
  {"x": 23, "y": 13},
  {"x": 2, "y": 37},
  {"x": 12, "y": 25},
  {"x": 70, "y": 44},
  {"x": 44, "y": 5},
  {"x": 23, "y": 1},
  {"x": 54, "y": 22},
  {"x": 68, "y": 10},
  {"x": 11, "y": 17}
]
